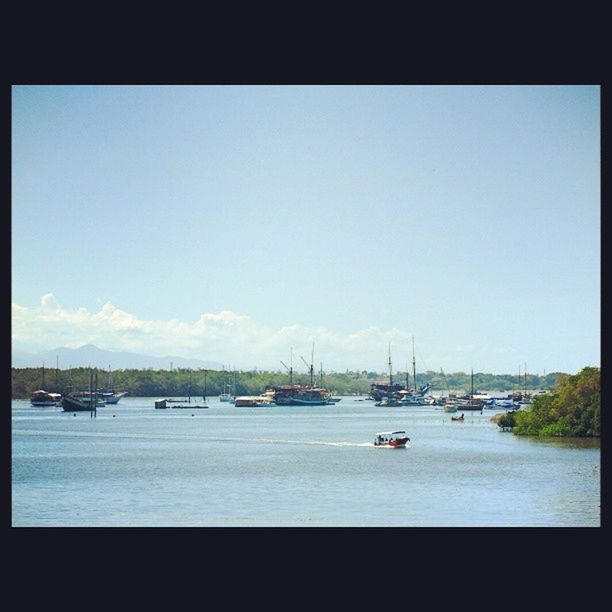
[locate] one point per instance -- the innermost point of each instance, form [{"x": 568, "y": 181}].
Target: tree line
[
  {"x": 572, "y": 409},
  {"x": 198, "y": 382}
]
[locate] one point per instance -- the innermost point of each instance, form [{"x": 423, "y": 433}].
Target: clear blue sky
[{"x": 348, "y": 216}]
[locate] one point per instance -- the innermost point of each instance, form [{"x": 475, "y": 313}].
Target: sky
[{"x": 260, "y": 224}]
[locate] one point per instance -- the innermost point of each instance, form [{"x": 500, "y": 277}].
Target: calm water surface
[{"x": 292, "y": 466}]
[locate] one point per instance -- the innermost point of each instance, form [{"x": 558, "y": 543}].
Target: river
[{"x": 284, "y": 466}]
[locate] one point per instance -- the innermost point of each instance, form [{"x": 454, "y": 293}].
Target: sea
[{"x": 305, "y": 466}]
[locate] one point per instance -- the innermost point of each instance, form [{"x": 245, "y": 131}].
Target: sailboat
[
  {"x": 448, "y": 403},
  {"x": 390, "y": 398},
  {"x": 414, "y": 397},
  {"x": 226, "y": 396},
  {"x": 84, "y": 401},
  {"x": 471, "y": 402},
  {"x": 42, "y": 397},
  {"x": 110, "y": 395},
  {"x": 301, "y": 395}
]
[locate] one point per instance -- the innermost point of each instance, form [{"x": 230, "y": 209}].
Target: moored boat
[
  {"x": 79, "y": 403},
  {"x": 388, "y": 400},
  {"x": 45, "y": 398},
  {"x": 113, "y": 397},
  {"x": 253, "y": 401},
  {"x": 41, "y": 397},
  {"x": 473, "y": 400},
  {"x": 450, "y": 406},
  {"x": 310, "y": 396},
  {"x": 110, "y": 396},
  {"x": 89, "y": 396},
  {"x": 300, "y": 395}
]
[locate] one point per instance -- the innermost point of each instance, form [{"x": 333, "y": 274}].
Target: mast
[
  {"x": 289, "y": 369},
  {"x": 414, "y": 367},
  {"x": 43, "y": 376},
  {"x": 311, "y": 366},
  {"x": 321, "y": 374},
  {"x": 390, "y": 370},
  {"x": 204, "y": 394},
  {"x": 472, "y": 393},
  {"x": 92, "y": 399}
]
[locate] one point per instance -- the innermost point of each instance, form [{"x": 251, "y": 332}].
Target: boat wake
[{"x": 165, "y": 436}]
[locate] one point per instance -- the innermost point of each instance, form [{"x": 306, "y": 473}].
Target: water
[{"x": 314, "y": 466}]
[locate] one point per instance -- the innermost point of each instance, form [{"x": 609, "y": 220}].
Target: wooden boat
[
  {"x": 388, "y": 400},
  {"x": 254, "y": 400},
  {"x": 89, "y": 397},
  {"x": 42, "y": 397},
  {"x": 472, "y": 401},
  {"x": 77, "y": 403},
  {"x": 394, "y": 439},
  {"x": 162, "y": 404},
  {"x": 45, "y": 398},
  {"x": 415, "y": 397}
]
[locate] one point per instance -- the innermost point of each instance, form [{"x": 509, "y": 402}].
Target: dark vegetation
[
  {"x": 572, "y": 409},
  {"x": 181, "y": 382}
]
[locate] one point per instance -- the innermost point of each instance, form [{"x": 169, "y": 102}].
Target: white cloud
[{"x": 225, "y": 337}]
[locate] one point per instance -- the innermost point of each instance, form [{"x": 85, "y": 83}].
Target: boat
[
  {"x": 45, "y": 398},
  {"x": 227, "y": 395},
  {"x": 254, "y": 400},
  {"x": 113, "y": 397},
  {"x": 186, "y": 403},
  {"x": 393, "y": 439},
  {"x": 84, "y": 401},
  {"x": 458, "y": 418},
  {"x": 309, "y": 396},
  {"x": 42, "y": 397},
  {"x": 387, "y": 394},
  {"x": 379, "y": 390},
  {"x": 471, "y": 401},
  {"x": 409, "y": 398},
  {"x": 499, "y": 403},
  {"x": 301, "y": 395},
  {"x": 415, "y": 397},
  {"x": 110, "y": 395},
  {"x": 388, "y": 400},
  {"x": 79, "y": 403},
  {"x": 88, "y": 396},
  {"x": 162, "y": 404},
  {"x": 449, "y": 406}
]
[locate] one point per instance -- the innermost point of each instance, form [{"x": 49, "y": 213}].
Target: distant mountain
[{"x": 92, "y": 356}]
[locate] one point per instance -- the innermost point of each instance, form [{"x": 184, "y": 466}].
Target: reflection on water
[{"x": 563, "y": 442}]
